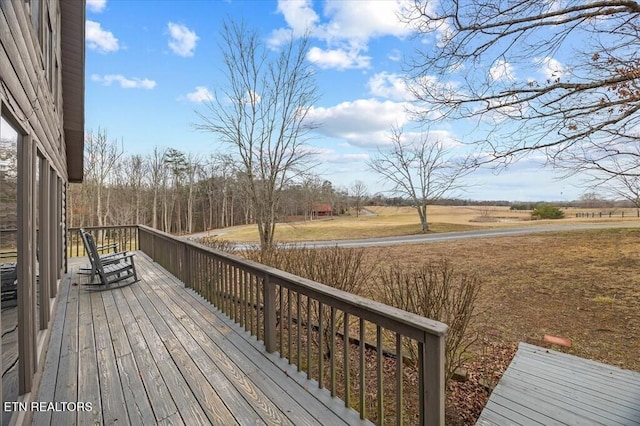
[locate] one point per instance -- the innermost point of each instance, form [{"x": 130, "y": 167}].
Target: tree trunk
[
  {"x": 154, "y": 210},
  {"x": 422, "y": 212}
]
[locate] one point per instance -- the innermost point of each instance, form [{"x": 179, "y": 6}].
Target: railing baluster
[
  {"x": 298, "y": 330},
  {"x": 253, "y": 307},
  {"x": 227, "y": 289},
  {"x": 347, "y": 362},
  {"x": 380, "y": 359},
  {"x": 259, "y": 308},
  {"x": 399, "y": 380},
  {"x": 289, "y": 326},
  {"x": 363, "y": 389},
  {"x": 309, "y": 336},
  {"x": 234, "y": 293},
  {"x": 243, "y": 299},
  {"x": 237, "y": 301},
  {"x": 281, "y": 318},
  {"x": 333, "y": 352},
  {"x": 320, "y": 345},
  {"x": 215, "y": 271}
]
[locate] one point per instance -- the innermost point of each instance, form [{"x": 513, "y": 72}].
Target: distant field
[{"x": 392, "y": 221}]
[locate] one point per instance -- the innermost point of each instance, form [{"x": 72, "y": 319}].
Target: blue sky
[{"x": 150, "y": 64}]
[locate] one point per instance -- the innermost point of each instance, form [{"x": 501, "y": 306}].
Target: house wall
[{"x": 31, "y": 103}]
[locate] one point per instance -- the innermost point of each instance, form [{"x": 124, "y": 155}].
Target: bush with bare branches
[
  {"x": 338, "y": 267},
  {"x": 217, "y": 244},
  {"x": 440, "y": 292}
]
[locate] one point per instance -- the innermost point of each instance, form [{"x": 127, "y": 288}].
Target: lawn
[
  {"x": 392, "y": 221},
  {"x": 580, "y": 285}
]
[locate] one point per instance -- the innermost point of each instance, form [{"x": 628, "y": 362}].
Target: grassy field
[
  {"x": 580, "y": 285},
  {"x": 392, "y": 221}
]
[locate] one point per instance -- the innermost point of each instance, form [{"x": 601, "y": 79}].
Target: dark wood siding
[{"x": 48, "y": 112}]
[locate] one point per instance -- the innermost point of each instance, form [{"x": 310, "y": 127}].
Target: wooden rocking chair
[{"x": 112, "y": 268}]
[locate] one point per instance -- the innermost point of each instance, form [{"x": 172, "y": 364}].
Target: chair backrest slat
[{"x": 92, "y": 250}]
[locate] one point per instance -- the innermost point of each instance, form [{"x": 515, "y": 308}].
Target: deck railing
[
  {"x": 287, "y": 312},
  {"x": 348, "y": 344},
  {"x": 125, "y": 236}
]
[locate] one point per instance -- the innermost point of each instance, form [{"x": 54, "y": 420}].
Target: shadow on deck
[{"x": 155, "y": 353}]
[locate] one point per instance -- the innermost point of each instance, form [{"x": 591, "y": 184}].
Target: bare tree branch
[{"x": 581, "y": 116}]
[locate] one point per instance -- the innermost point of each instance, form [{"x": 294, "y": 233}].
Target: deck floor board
[
  {"x": 542, "y": 386},
  {"x": 157, "y": 353}
]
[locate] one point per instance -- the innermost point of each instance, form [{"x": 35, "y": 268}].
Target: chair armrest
[
  {"x": 115, "y": 257},
  {"x": 104, "y": 247}
]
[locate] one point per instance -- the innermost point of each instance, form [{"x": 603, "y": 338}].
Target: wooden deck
[
  {"x": 546, "y": 387},
  {"x": 157, "y": 353}
]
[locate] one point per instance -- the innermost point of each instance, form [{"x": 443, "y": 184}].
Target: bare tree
[
  {"x": 311, "y": 194},
  {"x": 358, "y": 193},
  {"x": 101, "y": 158},
  {"x": 175, "y": 161},
  {"x": 483, "y": 63},
  {"x": 262, "y": 115},
  {"x": 620, "y": 186},
  {"x": 420, "y": 169},
  {"x": 157, "y": 172},
  {"x": 627, "y": 187},
  {"x": 192, "y": 170},
  {"x": 137, "y": 170}
]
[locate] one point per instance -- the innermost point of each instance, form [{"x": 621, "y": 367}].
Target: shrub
[
  {"x": 338, "y": 267},
  {"x": 216, "y": 244},
  {"x": 547, "y": 212},
  {"x": 436, "y": 291}
]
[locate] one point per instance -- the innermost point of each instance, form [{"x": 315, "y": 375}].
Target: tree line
[{"x": 180, "y": 192}]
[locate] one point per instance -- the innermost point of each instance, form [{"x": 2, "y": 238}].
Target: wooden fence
[{"x": 611, "y": 214}]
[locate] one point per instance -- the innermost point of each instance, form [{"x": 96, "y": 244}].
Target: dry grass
[
  {"x": 580, "y": 285},
  {"x": 394, "y": 221}
]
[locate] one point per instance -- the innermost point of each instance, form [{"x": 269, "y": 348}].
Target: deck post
[
  {"x": 432, "y": 379},
  {"x": 269, "y": 315}
]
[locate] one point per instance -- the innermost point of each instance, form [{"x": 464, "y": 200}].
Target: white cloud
[
  {"x": 125, "y": 83},
  {"x": 183, "y": 41},
  {"x": 353, "y": 21},
  {"x": 200, "y": 94},
  {"x": 395, "y": 55},
  {"x": 361, "y": 21},
  {"x": 299, "y": 15},
  {"x": 346, "y": 29},
  {"x": 364, "y": 122},
  {"x": 551, "y": 68},
  {"x": 388, "y": 85},
  {"x": 501, "y": 70},
  {"x": 99, "y": 39},
  {"x": 338, "y": 59},
  {"x": 96, "y": 6}
]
